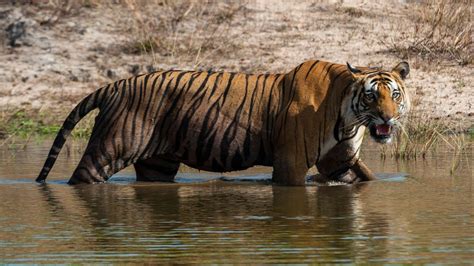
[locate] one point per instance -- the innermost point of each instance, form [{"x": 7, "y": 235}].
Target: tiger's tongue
[{"x": 383, "y": 129}]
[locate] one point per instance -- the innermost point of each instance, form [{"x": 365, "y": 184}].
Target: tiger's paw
[{"x": 348, "y": 177}]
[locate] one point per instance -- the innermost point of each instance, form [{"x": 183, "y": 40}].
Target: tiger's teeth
[{"x": 383, "y": 129}]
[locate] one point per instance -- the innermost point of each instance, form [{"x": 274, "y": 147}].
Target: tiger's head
[{"x": 379, "y": 99}]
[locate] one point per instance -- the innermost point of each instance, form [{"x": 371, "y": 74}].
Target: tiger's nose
[{"x": 387, "y": 118}]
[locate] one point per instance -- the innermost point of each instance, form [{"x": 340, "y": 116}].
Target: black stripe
[
  {"x": 311, "y": 68},
  {"x": 108, "y": 103},
  {"x": 111, "y": 108},
  {"x": 308, "y": 163},
  {"x": 135, "y": 110},
  {"x": 231, "y": 129},
  {"x": 144, "y": 118},
  {"x": 269, "y": 115},
  {"x": 204, "y": 150},
  {"x": 126, "y": 137},
  {"x": 227, "y": 88},
  {"x": 172, "y": 108},
  {"x": 291, "y": 98},
  {"x": 247, "y": 141},
  {"x": 191, "y": 111},
  {"x": 337, "y": 126},
  {"x": 149, "y": 148},
  {"x": 205, "y": 139},
  {"x": 216, "y": 83},
  {"x": 328, "y": 70}
]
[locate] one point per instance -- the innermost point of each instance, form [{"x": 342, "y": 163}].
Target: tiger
[{"x": 314, "y": 115}]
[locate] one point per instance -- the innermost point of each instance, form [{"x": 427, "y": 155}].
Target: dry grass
[
  {"x": 415, "y": 139},
  {"x": 437, "y": 30},
  {"x": 458, "y": 144},
  {"x": 353, "y": 11},
  {"x": 58, "y": 9},
  {"x": 183, "y": 30},
  {"x": 421, "y": 136}
]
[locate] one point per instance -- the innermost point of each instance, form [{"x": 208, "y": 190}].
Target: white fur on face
[
  {"x": 393, "y": 86},
  {"x": 369, "y": 87}
]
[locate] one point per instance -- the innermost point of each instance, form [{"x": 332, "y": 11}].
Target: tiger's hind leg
[
  {"x": 119, "y": 138},
  {"x": 105, "y": 156},
  {"x": 156, "y": 169},
  {"x": 96, "y": 165}
]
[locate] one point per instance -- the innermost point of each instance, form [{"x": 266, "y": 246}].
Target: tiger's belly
[
  {"x": 215, "y": 166},
  {"x": 224, "y": 157},
  {"x": 221, "y": 151}
]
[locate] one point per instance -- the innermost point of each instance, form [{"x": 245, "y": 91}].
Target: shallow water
[{"x": 417, "y": 212}]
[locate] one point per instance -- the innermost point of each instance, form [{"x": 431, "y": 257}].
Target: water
[{"x": 416, "y": 213}]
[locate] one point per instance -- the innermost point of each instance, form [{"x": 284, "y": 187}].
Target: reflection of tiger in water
[{"x": 315, "y": 114}]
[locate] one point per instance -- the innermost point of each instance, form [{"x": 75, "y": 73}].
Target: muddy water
[{"x": 417, "y": 212}]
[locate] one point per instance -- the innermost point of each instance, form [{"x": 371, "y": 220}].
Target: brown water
[{"x": 416, "y": 213}]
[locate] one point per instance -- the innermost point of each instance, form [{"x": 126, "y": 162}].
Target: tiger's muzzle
[{"x": 382, "y": 130}]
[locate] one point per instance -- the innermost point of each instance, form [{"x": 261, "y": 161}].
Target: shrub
[{"x": 437, "y": 30}]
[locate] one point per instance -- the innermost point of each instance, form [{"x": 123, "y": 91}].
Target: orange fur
[{"x": 230, "y": 121}]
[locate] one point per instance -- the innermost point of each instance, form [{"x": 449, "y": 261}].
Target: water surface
[{"x": 416, "y": 213}]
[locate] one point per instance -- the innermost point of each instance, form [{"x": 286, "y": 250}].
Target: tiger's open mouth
[{"x": 381, "y": 133}]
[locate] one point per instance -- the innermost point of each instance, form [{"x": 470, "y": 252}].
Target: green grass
[
  {"x": 470, "y": 132},
  {"x": 21, "y": 124},
  {"x": 26, "y": 124}
]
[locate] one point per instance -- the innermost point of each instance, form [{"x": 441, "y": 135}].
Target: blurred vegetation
[
  {"x": 434, "y": 30},
  {"x": 158, "y": 26},
  {"x": 421, "y": 136},
  {"x": 25, "y": 124},
  {"x": 437, "y": 30},
  {"x": 160, "y": 29}
]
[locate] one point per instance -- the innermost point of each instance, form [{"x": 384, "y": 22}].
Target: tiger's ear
[
  {"x": 402, "y": 69},
  {"x": 354, "y": 71}
]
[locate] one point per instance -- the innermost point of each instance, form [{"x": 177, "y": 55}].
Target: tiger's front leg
[
  {"x": 293, "y": 154},
  {"x": 289, "y": 174},
  {"x": 290, "y": 165},
  {"x": 342, "y": 163},
  {"x": 362, "y": 171}
]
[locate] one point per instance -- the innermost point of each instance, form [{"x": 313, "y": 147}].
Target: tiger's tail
[{"x": 88, "y": 104}]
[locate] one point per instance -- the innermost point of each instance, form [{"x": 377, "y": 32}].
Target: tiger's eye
[
  {"x": 395, "y": 95},
  {"x": 369, "y": 97}
]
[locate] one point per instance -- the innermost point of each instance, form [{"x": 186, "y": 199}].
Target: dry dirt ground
[{"x": 63, "y": 56}]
